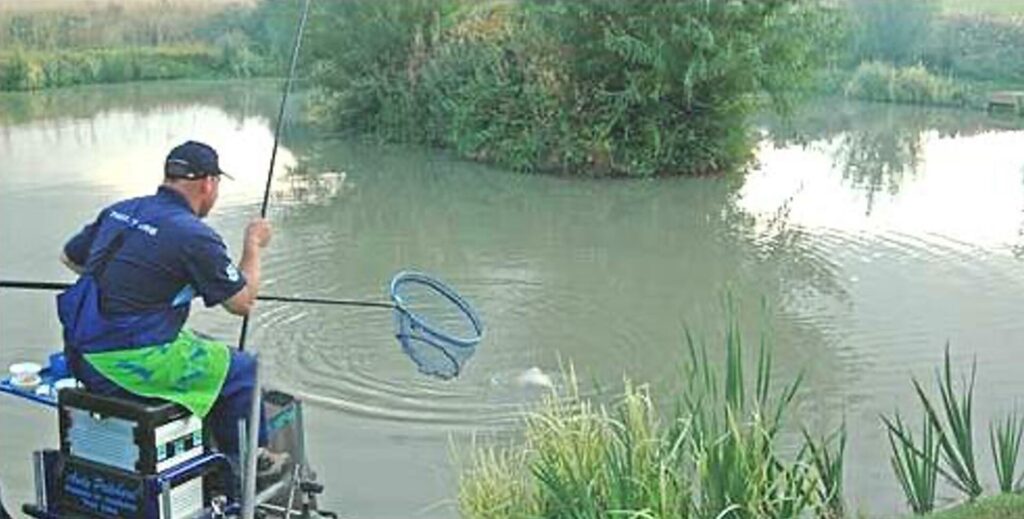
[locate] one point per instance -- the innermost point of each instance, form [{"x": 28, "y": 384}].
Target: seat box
[{"x": 141, "y": 437}]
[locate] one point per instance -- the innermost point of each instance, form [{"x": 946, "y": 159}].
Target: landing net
[{"x": 436, "y": 327}]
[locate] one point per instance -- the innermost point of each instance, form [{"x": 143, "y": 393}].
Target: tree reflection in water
[{"x": 877, "y": 146}]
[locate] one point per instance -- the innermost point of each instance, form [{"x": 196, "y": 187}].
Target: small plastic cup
[{"x": 25, "y": 374}]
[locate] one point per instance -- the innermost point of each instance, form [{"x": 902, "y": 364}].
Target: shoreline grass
[{"x": 717, "y": 456}]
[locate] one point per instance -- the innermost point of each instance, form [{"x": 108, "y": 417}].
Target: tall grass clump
[
  {"x": 916, "y": 465},
  {"x": 716, "y": 456},
  {"x": 599, "y": 87},
  {"x": 829, "y": 464},
  {"x": 879, "y": 81},
  {"x": 1005, "y": 439},
  {"x": 947, "y": 446},
  {"x": 952, "y": 424}
]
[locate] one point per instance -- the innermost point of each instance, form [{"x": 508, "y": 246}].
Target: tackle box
[{"x": 134, "y": 436}]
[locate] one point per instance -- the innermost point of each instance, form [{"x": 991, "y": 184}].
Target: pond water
[{"x": 864, "y": 237}]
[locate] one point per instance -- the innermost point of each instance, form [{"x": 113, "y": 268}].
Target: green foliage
[
  {"x": 262, "y": 35},
  {"x": 916, "y": 465},
  {"x": 497, "y": 485},
  {"x": 962, "y": 42},
  {"x": 878, "y": 81},
  {"x": 896, "y": 31},
  {"x": 828, "y": 463},
  {"x": 716, "y": 458},
  {"x": 978, "y": 48},
  {"x": 236, "y": 55},
  {"x": 947, "y": 447},
  {"x": 1004, "y": 439},
  {"x": 955, "y": 434},
  {"x": 84, "y": 25},
  {"x": 165, "y": 39},
  {"x": 603, "y": 87},
  {"x": 18, "y": 72},
  {"x": 35, "y": 70}
]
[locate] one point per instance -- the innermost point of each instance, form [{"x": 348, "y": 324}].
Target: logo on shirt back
[
  {"x": 134, "y": 223},
  {"x": 232, "y": 272}
]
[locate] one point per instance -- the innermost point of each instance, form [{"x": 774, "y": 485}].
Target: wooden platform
[{"x": 1007, "y": 99}]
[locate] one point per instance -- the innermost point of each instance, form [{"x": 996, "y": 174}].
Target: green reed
[
  {"x": 498, "y": 486},
  {"x": 1005, "y": 439},
  {"x": 947, "y": 447},
  {"x": 716, "y": 456},
  {"x": 828, "y": 462},
  {"x": 916, "y": 465},
  {"x": 955, "y": 433}
]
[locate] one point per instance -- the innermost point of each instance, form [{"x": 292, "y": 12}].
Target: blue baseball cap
[{"x": 193, "y": 160}]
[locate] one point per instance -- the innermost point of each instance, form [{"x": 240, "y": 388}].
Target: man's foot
[{"x": 271, "y": 465}]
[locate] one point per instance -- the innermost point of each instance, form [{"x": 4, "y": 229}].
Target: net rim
[{"x": 409, "y": 276}]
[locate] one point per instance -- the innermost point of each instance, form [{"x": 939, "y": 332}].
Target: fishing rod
[
  {"x": 52, "y": 285},
  {"x": 277, "y": 138}
]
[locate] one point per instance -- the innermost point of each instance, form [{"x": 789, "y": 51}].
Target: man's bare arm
[{"x": 257, "y": 236}]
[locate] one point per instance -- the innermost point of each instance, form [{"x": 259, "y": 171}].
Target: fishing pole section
[
  {"x": 277, "y": 137},
  {"x": 435, "y": 326},
  {"x": 52, "y": 285}
]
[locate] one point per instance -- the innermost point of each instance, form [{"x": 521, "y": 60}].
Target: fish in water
[{"x": 534, "y": 377}]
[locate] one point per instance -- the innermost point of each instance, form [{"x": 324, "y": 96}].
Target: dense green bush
[{"x": 603, "y": 87}]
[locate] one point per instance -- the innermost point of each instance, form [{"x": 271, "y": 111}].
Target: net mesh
[{"x": 436, "y": 327}]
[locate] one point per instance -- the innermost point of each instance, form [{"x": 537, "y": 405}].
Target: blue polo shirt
[{"x": 166, "y": 255}]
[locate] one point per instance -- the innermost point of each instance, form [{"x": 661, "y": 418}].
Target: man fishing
[{"x": 140, "y": 264}]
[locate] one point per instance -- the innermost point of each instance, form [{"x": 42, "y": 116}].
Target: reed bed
[{"x": 716, "y": 456}]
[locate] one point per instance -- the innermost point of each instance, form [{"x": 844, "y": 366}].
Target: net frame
[{"x": 413, "y": 330}]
